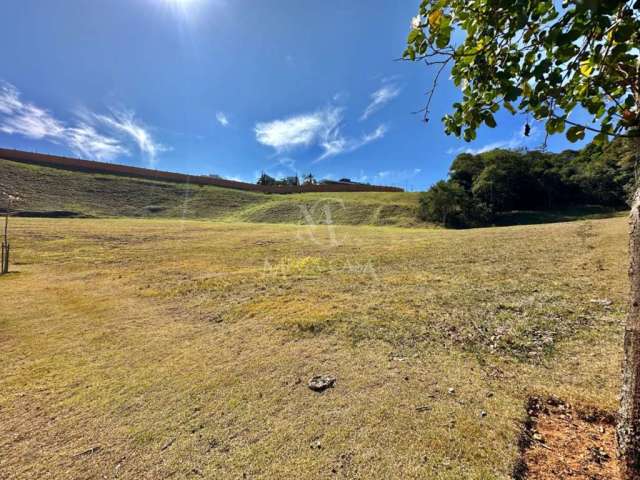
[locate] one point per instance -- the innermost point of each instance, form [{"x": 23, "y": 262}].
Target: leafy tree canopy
[
  {"x": 482, "y": 187},
  {"x": 544, "y": 58}
]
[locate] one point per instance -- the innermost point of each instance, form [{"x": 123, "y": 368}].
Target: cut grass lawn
[{"x": 181, "y": 349}]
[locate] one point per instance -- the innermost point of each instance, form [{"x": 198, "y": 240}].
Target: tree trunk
[{"x": 629, "y": 424}]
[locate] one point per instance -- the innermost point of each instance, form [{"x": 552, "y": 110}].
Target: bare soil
[{"x": 563, "y": 441}]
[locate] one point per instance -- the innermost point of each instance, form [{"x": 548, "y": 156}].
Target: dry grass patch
[{"x": 175, "y": 349}]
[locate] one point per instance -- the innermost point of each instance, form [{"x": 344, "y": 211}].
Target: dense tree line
[{"x": 482, "y": 186}]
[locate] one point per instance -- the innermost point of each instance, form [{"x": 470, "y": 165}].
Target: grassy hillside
[
  {"x": 352, "y": 208},
  {"x": 47, "y": 189},
  {"x": 161, "y": 349}
]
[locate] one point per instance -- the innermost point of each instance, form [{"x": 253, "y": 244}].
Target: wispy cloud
[
  {"x": 340, "y": 144},
  {"x": 301, "y": 130},
  {"x": 518, "y": 140},
  {"x": 124, "y": 122},
  {"x": 102, "y": 137},
  {"x": 26, "y": 119},
  {"x": 85, "y": 141},
  {"x": 9, "y": 99},
  {"x": 284, "y": 162},
  {"x": 398, "y": 175},
  {"x": 380, "y": 98},
  {"x": 322, "y": 129},
  {"x": 222, "y": 119},
  {"x": 389, "y": 176}
]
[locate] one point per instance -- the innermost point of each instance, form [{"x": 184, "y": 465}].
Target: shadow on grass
[{"x": 589, "y": 212}]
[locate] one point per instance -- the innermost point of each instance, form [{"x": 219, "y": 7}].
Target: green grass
[
  {"x": 341, "y": 209},
  {"x": 182, "y": 348},
  {"x": 561, "y": 215},
  {"x": 47, "y": 189},
  {"x": 94, "y": 195}
]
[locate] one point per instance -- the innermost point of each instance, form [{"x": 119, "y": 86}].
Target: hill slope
[{"x": 46, "y": 189}]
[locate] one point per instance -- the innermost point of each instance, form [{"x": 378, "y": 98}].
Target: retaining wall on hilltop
[{"x": 124, "y": 170}]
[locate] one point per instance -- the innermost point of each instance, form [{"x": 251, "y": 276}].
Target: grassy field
[
  {"x": 46, "y": 189},
  {"x": 182, "y": 349}
]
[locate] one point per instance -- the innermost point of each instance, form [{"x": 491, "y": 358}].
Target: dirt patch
[{"x": 562, "y": 441}]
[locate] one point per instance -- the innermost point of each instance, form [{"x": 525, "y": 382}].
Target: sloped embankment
[{"x": 41, "y": 189}]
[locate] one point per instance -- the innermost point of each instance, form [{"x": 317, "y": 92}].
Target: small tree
[
  {"x": 266, "y": 179},
  {"x": 444, "y": 203},
  {"x": 545, "y": 60},
  {"x": 293, "y": 181},
  {"x": 447, "y": 203},
  {"x": 309, "y": 179}
]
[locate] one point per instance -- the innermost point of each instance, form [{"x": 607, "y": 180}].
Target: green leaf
[
  {"x": 512, "y": 94},
  {"x": 550, "y": 126},
  {"x": 624, "y": 33},
  {"x": 444, "y": 37},
  {"x": 509, "y": 107},
  {"x": 490, "y": 120},
  {"x": 554, "y": 125},
  {"x": 409, "y": 53},
  {"x": 600, "y": 138},
  {"x": 586, "y": 68},
  {"x": 575, "y": 133}
]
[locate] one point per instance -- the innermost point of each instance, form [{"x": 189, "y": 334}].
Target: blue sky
[{"x": 230, "y": 87}]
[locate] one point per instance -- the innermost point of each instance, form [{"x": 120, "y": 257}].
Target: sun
[
  {"x": 180, "y": 3},
  {"x": 188, "y": 12},
  {"x": 183, "y": 7}
]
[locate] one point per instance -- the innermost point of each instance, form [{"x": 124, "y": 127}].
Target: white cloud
[
  {"x": 32, "y": 122},
  {"x": 96, "y": 137},
  {"x": 518, "y": 140},
  {"x": 9, "y": 99},
  {"x": 389, "y": 176},
  {"x": 286, "y": 162},
  {"x": 378, "y": 133},
  {"x": 124, "y": 122},
  {"x": 88, "y": 143},
  {"x": 301, "y": 130},
  {"x": 321, "y": 129},
  {"x": 380, "y": 98},
  {"x": 506, "y": 144},
  {"x": 222, "y": 119},
  {"x": 339, "y": 144},
  {"x": 23, "y": 118}
]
